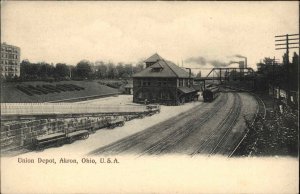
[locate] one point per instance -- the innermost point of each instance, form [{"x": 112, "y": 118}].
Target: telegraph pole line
[{"x": 289, "y": 40}]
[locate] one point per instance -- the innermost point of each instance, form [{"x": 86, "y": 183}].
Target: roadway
[{"x": 208, "y": 129}]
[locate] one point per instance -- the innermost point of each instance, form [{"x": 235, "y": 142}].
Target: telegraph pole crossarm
[{"x": 287, "y": 43}]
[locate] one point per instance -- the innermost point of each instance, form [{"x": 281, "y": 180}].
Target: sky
[{"x": 183, "y": 32}]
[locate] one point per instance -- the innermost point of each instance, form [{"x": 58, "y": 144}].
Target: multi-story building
[
  {"x": 10, "y": 60},
  {"x": 162, "y": 82}
]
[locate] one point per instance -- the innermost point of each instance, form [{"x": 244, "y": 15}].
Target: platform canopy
[{"x": 187, "y": 90}]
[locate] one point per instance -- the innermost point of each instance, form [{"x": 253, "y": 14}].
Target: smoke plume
[
  {"x": 239, "y": 56},
  {"x": 203, "y": 61},
  {"x": 217, "y": 63},
  {"x": 198, "y": 60}
]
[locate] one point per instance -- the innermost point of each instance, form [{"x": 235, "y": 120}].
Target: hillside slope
[{"x": 10, "y": 94}]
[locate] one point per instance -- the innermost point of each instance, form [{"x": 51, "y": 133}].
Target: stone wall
[{"x": 17, "y": 134}]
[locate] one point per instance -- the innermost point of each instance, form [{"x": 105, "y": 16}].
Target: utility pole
[
  {"x": 287, "y": 43},
  {"x": 291, "y": 41}
]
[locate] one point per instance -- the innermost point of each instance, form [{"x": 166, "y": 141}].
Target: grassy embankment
[
  {"x": 10, "y": 93},
  {"x": 276, "y": 134}
]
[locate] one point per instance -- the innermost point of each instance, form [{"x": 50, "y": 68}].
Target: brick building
[
  {"x": 10, "y": 60},
  {"x": 162, "y": 82}
]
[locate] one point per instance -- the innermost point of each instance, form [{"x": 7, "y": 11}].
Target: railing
[{"x": 8, "y": 109}]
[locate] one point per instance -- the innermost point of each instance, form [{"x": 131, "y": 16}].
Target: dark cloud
[{"x": 198, "y": 60}]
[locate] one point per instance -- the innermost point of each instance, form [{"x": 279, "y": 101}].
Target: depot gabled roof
[
  {"x": 167, "y": 69},
  {"x": 154, "y": 58}
]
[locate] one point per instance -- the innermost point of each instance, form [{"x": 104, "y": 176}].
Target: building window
[
  {"x": 146, "y": 82},
  {"x": 180, "y": 82}
]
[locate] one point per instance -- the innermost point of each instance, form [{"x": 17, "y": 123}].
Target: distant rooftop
[{"x": 8, "y": 45}]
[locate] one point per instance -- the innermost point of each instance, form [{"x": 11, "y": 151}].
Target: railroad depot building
[
  {"x": 10, "y": 60},
  {"x": 162, "y": 82}
]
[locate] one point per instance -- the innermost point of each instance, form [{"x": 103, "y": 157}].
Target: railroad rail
[
  {"x": 230, "y": 118},
  {"x": 126, "y": 143},
  {"x": 167, "y": 140},
  {"x": 261, "y": 110},
  {"x": 177, "y": 136}
]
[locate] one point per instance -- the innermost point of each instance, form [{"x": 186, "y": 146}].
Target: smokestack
[
  {"x": 241, "y": 64},
  {"x": 241, "y": 56}
]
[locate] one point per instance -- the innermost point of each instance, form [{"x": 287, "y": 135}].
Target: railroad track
[
  {"x": 127, "y": 143},
  {"x": 261, "y": 110},
  {"x": 224, "y": 126},
  {"x": 232, "y": 120},
  {"x": 177, "y": 136},
  {"x": 137, "y": 138}
]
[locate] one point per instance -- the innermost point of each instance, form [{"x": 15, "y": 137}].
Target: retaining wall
[{"x": 21, "y": 133}]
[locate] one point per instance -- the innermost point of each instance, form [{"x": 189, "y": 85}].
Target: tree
[
  {"x": 128, "y": 70},
  {"x": 61, "y": 70},
  {"x": 29, "y": 71},
  {"x": 45, "y": 70},
  {"x": 120, "y": 69},
  {"x": 111, "y": 71},
  {"x": 101, "y": 70},
  {"x": 24, "y": 68},
  {"x": 84, "y": 69},
  {"x": 138, "y": 67}
]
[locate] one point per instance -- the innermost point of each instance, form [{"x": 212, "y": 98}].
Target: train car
[
  {"x": 153, "y": 109},
  {"x": 118, "y": 121},
  {"x": 82, "y": 134},
  {"x": 210, "y": 93},
  {"x": 58, "y": 139}
]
